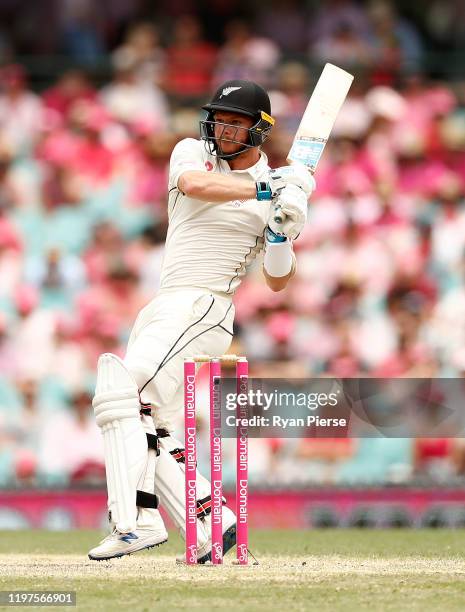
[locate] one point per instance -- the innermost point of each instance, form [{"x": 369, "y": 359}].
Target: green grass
[{"x": 299, "y": 570}]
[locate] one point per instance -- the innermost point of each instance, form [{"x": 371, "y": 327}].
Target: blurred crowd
[
  {"x": 385, "y": 33},
  {"x": 83, "y": 169}
]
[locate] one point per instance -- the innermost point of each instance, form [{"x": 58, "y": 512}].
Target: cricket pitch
[{"x": 300, "y": 570}]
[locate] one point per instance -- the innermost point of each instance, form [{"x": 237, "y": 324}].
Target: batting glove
[
  {"x": 292, "y": 202},
  {"x": 297, "y": 174}
]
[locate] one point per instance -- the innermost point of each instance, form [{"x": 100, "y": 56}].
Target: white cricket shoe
[
  {"x": 229, "y": 538},
  {"x": 118, "y": 544}
]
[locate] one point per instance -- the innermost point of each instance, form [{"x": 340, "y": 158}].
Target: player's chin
[{"x": 229, "y": 148}]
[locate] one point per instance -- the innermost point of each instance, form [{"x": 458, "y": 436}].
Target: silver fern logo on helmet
[{"x": 227, "y": 90}]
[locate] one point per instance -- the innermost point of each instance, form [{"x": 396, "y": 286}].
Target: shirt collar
[{"x": 255, "y": 171}]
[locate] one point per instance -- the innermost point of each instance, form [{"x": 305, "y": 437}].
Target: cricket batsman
[{"x": 221, "y": 204}]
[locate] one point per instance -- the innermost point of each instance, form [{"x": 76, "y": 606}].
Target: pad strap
[
  {"x": 204, "y": 506},
  {"x": 152, "y": 442},
  {"x": 146, "y": 500},
  {"x": 178, "y": 454}
]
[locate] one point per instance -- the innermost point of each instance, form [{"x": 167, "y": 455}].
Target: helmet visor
[{"x": 222, "y": 137}]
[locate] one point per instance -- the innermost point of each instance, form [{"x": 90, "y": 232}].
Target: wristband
[
  {"x": 263, "y": 190},
  {"x": 273, "y": 238}
]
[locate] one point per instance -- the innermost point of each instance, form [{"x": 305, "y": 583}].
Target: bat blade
[{"x": 319, "y": 117}]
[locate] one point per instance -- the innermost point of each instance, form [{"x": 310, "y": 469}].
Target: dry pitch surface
[{"x": 305, "y": 570}]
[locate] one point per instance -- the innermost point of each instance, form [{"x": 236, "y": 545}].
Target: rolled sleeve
[{"x": 187, "y": 155}]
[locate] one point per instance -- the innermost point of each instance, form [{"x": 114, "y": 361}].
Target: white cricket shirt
[{"x": 211, "y": 244}]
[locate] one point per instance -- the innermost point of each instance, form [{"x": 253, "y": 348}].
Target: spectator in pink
[
  {"x": 21, "y": 110},
  {"x": 72, "y": 86},
  {"x": 11, "y": 240},
  {"x": 71, "y": 441},
  {"x": 104, "y": 252},
  {"x": 93, "y": 159},
  {"x": 34, "y": 327}
]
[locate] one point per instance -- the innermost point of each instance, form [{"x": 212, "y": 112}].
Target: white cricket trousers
[{"x": 176, "y": 324}]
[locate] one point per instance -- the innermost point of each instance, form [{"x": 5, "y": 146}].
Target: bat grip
[{"x": 279, "y": 216}]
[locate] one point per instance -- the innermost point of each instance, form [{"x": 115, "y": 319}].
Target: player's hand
[
  {"x": 292, "y": 202},
  {"x": 297, "y": 174}
]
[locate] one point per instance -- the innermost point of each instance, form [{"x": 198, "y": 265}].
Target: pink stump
[
  {"x": 242, "y": 378},
  {"x": 190, "y": 462},
  {"x": 215, "y": 462}
]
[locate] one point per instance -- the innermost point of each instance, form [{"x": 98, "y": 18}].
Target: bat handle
[{"x": 279, "y": 216}]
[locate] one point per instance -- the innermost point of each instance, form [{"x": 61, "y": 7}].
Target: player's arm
[
  {"x": 279, "y": 263},
  {"x": 188, "y": 175},
  {"x": 215, "y": 187}
]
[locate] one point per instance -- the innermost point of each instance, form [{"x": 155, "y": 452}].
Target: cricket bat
[{"x": 318, "y": 120}]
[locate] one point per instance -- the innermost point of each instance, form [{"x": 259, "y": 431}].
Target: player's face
[{"x": 231, "y": 131}]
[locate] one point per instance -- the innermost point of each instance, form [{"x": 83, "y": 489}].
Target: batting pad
[{"x": 116, "y": 407}]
